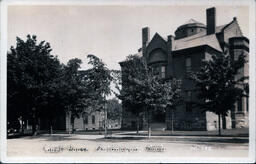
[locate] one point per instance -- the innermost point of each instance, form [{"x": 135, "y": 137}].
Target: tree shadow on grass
[
  {"x": 118, "y": 139},
  {"x": 71, "y": 138}
]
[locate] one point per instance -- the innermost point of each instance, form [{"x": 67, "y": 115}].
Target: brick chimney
[
  {"x": 145, "y": 39},
  {"x": 170, "y": 47},
  {"x": 210, "y": 20}
]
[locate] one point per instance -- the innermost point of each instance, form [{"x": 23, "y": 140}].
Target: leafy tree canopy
[{"x": 219, "y": 83}]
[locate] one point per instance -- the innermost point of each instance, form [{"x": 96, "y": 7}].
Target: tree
[
  {"x": 131, "y": 93},
  {"x": 99, "y": 80},
  {"x": 114, "y": 109},
  {"x": 30, "y": 68},
  {"x": 171, "y": 90},
  {"x": 219, "y": 83},
  {"x": 75, "y": 90},
  {"x": 53, "y": 98},
  {"x": 143, "y": 91}
]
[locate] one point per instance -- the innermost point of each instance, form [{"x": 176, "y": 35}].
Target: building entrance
[{"x": 158, "y": 120}]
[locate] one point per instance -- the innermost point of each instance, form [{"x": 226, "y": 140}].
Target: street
[{"x": 127, "y": 144}]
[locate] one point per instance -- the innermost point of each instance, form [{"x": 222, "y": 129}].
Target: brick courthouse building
[{"x": 179, "y": 54}]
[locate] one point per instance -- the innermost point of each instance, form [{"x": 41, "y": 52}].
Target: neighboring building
[
  {"x": 92, "y": 121},
  {"x": 177, "y": 55}
]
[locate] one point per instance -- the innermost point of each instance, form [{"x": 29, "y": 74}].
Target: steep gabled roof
[
  {"x": 157, "y": 40},
  {"x": 157, "y": 37},
  {"x": 220, "y": 28}
]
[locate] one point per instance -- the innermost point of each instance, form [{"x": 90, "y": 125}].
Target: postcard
[{"x": 87, "y": 81}]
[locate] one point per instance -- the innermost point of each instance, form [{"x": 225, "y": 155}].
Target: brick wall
[{"x": 186, "y": 120}]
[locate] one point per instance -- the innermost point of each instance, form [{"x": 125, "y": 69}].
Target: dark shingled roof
[
  {"x": 210, "y": 40},
  {"x": 200, "y": 39}
]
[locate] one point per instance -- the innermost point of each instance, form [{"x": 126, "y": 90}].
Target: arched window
[{"x": 157, "y": 55}]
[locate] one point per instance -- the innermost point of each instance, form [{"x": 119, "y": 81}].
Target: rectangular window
[
  {"x": 247, "y": 104},
  {"x": 236, "y": 57},
  {"x": 215, "y": 124},
  {"x": 156, "y": 71},
  {"x": 162, "y": 71},
  {"x": 188, "y": 96},
  {"x": 159, "y": 71},
  {"x": 85, "y": 119},
  {"x": 179, "y": 82},
  {"x": 93, "y": 119},
  {"x": 240, "y": 105},
  {"x": 188, "y": 107},
  {"x": 188, "y": 64}
]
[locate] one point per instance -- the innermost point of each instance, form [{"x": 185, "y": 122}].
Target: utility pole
[{"x": 69, "y": 119}]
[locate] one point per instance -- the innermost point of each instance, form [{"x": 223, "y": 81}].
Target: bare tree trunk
[
  {"x": 138, "y": 124},
  {"x": 34, "y": 132},
  {"x": 149, "y": 126},
  {"x": 99, "y": 127},
  {"x": 219, "y": 124},
  {"x": 72, "y": 120},
  {"x": 68, "y": 113},
  {"x": 22, "y": 127},
  {"x": 51, "y": 131},
  {"x": 149, "y": 130},
  {"x": 106, "y": 115},
  {"x": 50, "y": 126},
  {"x": 172, "y": 120}
]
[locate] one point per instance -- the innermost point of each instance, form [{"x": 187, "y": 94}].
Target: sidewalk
[
  {"x": 243, "y": 132},
  {"x": 227, "y": 135}
]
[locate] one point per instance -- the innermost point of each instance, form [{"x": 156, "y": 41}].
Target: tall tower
[{"x": 238, "y": 46}]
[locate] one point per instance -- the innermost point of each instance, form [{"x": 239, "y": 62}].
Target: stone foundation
[
  {"x": 213, "y": 121},
  {"x": 242, "y": 120}
]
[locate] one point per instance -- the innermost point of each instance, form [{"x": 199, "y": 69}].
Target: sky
[{"x": 109, "y": 32}]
